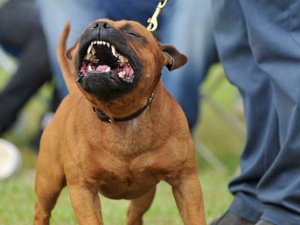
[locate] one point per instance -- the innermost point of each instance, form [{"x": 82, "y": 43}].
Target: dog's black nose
[{"x": 101, "y": 24}]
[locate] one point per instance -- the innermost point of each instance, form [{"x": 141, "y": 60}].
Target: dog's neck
[
  {"x": 105, "y": 118},
  {"x": 118, "y": 110}
]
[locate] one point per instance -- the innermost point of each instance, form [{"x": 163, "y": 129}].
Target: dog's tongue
[
  {"x": 102, "y": 68},
  {"x": 124, "y": 70}
]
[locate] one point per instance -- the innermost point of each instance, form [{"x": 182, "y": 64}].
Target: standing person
[
  {"x": 21, "y": 36},
  {"x": 259, "y": 46},
  {"x": 196, "y": 40}
]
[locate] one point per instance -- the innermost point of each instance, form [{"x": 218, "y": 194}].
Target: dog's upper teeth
[
  {"x": 89, "y": 68},
  {"x": 113, "y": 50},
  {"x": 87, "y": 57},
  {"x": 93, "y": 51},
  {"x": 89, "y": 49},
  {"x": 122, "y": 59}
]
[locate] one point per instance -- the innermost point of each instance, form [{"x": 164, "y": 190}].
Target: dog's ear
[
  {"x": 70, "y": 50},
  {"x": 174, "y": 59}
]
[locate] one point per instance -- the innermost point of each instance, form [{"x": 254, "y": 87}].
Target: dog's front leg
[
  {"x": 188, "y": 195},
  {"x": 86, "y": 205}
]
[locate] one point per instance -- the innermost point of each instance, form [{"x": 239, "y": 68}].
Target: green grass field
[{"x": 17, "y": 194}]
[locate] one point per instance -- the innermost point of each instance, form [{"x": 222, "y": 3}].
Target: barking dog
[{"x": 119, "y": 132}]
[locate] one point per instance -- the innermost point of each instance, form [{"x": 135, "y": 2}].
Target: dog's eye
[{"x": 129, "y": 32}]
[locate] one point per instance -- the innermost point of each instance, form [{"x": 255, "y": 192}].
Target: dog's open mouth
[{"x": 103, "y": 58}]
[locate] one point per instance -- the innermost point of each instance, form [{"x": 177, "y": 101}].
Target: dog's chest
[
  {"x": 131, "y": 139},
  {"x": 118, "y": 178},
  {"x": 128, "y": 164},
  {"x": 127, "y": 184}
]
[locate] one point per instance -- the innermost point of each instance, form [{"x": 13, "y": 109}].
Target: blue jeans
[
  {"x": 55, "y": 13},
  {"x": 259, "y": 46},
  {"x": 189, "y": 28}
]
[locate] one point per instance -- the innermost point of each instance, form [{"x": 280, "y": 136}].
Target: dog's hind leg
[
  {"x": 138, "y": 207},
  {"x": 50, "y": 180}
]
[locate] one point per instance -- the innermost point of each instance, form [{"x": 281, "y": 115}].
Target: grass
[
  {"x": 17, "y": 202},
  {"x": 17, "y": 194}
]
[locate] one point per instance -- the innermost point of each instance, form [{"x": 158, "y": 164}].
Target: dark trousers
[
  {"x": 259, "y": 46},
  {"x": 21, "y": 35}
]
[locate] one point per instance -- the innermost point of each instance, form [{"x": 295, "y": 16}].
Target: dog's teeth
[
  {"x": 122, "y": 74},
  {"x": 107, "y": 69},
  {"x": 89, "y": 68},
  {"x": 89, "y": 49},
  {"x": 88, "y": 56},
  {"x": 99, "y": 42},
  {"x": 93, "y": 51},
  {"x": 108, "y": 44},
  {"x": 94, "y": 60},
  {"x": 122, "y": 59},
  {"x": 117, "y": 54},
  {"x": 113, "y": 50}
]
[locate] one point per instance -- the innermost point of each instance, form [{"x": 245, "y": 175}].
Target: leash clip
[{"x": 153, "y": 23}]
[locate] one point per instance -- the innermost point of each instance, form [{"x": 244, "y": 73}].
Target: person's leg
[
  {"x": 16, "y": 16},
  {"x": 262, "y": 144},
  {"x": 33, "y": 70},
  {"x": 197, "y": 42},
  {"x": 274, "y": 36}
]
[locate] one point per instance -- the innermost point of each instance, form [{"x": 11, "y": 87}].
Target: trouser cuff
[{"x": 246, "y": 207}]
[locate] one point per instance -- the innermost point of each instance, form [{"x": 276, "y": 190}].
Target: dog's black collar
[{"x": 105, "y": 118}]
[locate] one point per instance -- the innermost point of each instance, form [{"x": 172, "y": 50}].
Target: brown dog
[{"x": 118, "y": 131}]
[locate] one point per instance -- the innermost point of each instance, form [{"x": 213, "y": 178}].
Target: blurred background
[{"x": 219, "y": 137}]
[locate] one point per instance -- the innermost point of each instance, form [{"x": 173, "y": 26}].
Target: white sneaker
[{"x": 10, "y": 159}]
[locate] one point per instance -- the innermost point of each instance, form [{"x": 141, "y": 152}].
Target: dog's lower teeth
[
  {"x": 94, "y": 60},
  {"x": 122, "y": 74}
]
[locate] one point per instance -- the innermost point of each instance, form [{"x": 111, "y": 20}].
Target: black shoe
[
  {"x": 230, "y": 219},
  {"x": 262, "y": 222}
]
